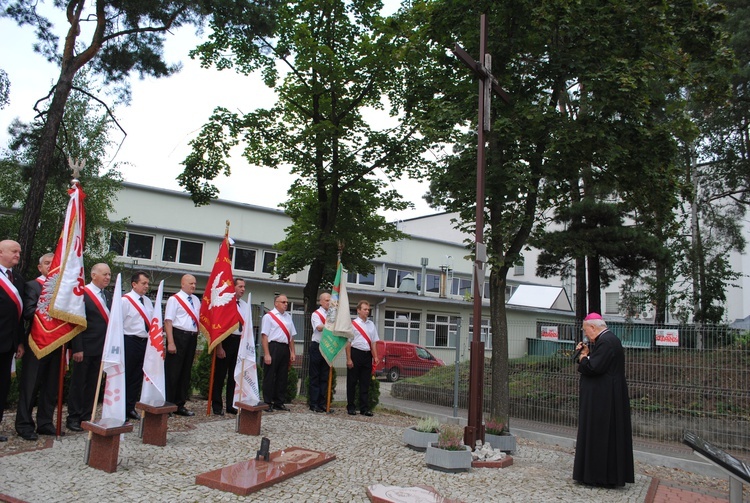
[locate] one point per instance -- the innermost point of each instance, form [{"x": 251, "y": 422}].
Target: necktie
[
  {"x": 10, "y": 274},
  {"x": 140, "y": 299},
  {"x": 238, "y": 308},
  {"x": 190, "y": 300},
  {"x": 104, "y": 297}
]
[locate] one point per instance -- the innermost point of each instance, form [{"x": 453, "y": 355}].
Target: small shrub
[
  {"x": 291, "y": 385},
  {"x": 428, "y": 425},
  {"x": 373, "y": 395},
  {"x": 495, "y": 426},
  {"x": 451, "y": 438},
  {"x": 201, "y": 371}
]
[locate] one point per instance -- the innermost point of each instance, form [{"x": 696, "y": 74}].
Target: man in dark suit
[
  {"x": 39, "y": 377},
  {"x": 11, "y": 311},
  {"x": 87, "y": 348}
]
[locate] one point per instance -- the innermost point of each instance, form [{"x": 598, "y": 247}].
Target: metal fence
[{"x": 702, "y": 384}]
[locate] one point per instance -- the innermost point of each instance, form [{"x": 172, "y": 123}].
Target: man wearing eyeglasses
[{"x": 277, "y": 338}]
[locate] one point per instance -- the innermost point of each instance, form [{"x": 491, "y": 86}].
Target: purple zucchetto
[{"x": 593, "y": 316}]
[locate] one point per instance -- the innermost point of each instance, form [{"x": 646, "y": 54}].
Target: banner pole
[
  {"x": 211, "y": 383},
  {"x": 330, "y": 378},
  {"x": 60, "y": 386}
]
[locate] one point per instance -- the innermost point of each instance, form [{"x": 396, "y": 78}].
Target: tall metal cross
[{"x": 487, "y": 83}]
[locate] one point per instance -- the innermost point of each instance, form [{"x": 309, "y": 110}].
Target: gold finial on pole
[{"x": 226, "y": 230}]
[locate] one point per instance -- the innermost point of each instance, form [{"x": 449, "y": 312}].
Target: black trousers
[
  {"x": 83, "y": 379},
  {"x": 318, "y": 377},
  {"x": 38, "y": 384},
  {"x": 135, "y": 351},
  {"x": 6, "y": 360},
  {"x": 276, "y": 375},
  {"x": 224, "y": 371},
  {"x": 361, "y": 373},
  {"x": 177, "y": 366}
]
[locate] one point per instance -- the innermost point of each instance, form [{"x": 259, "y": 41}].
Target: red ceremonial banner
[
  {"x": 219, "y": 316},
  {"x": 60, "y": 314}
]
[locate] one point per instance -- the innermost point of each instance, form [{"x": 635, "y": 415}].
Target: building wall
[{"x": 165, "y": 216}]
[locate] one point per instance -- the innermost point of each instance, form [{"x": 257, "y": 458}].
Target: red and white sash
[
  {"x": 12, "y": 292},
  {"x": 283, "y": 327},
  {"x": 98, "y": 303},
  {"x": 322, "y": 318},
  {"x": 362, "y": 332},
  {"x": 138, "y": 307},
  {"x": 188, "y": 310},
  {"x": 41, "y": 280}
]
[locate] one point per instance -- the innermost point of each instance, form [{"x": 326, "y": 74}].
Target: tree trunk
[
  {"x": 595, "y": 295},
  {"x": 310, "y": 293},
  {"x": 500, "y": 401},
  {"x": 43, "y": 164}
]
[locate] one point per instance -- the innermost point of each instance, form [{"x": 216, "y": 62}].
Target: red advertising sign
[
  {"x": 667, "y": 337},
  {"x": 550, "y": 333}
]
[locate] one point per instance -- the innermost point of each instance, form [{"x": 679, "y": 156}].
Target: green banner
[{"x": 338, "y": 328}]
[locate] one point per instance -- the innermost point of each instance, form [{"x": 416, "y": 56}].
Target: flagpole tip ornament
[{"x": 77, "y": 166}]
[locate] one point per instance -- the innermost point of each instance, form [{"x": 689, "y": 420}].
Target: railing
[{"x": 701, "y": 385}]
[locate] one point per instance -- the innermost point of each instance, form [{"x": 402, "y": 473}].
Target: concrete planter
[
  {"x": 505, "y": 443},
  {"x": 418, "y": 440},
  {"x": 447, "y": 461}
]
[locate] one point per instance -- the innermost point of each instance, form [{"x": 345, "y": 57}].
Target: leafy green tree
[
  {"x": 113, "y": 39},
  {"x": 84, "y": 135},
  {"x": 341, "y": 62},
  {"x": 583, "y": 78}
]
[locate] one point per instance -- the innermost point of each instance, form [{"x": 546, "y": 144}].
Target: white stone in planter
[
  {"x": 505, "y": 443},
  {"x": 418, "y": 440},
  {"x": 445, "y": 460}
]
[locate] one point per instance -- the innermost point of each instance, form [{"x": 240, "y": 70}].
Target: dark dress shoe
[
  {"x": 29, "y": 435},
  {"x": 133, "y": 415},
  {"x": 351, "y": 412},
  {"x": 269, "y": 409},
  {"x": 231, "y": 410},
  {"x": 74, "y": 427},
  {"x": 3, "y": 438},
  {"x": 281, "y": 407},
  {"x": 218, "y": 412},
  {"x": 182, "y": 411},
  {"x": 366, "y": 413},
  {"x": 47, "y": 430}
]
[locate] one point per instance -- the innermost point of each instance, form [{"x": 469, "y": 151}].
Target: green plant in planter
[
  {"x": 451, "y": 438},
  {"x": 428, "y": 425},
  {"x": 495, "y": 426}
]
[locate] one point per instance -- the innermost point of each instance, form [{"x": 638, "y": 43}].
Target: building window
[
  {"x": 432, "y": 284},
  {"x": 297, "y": 311},
  {"x": 401, "y": 326},
  {"x": 269, "y": 262},
  {"x": 394, "y": 277},
  {"x": 485, "y": 334},
  {"x": 460, "y": 286},
  {"x": 441, "y": 330},
  {"x": 242, "y": 258},
  {"x": 182, "y": 251},
  {"x": 612, "y": 302},
  {"x": 361, "y": 279},
  {"x": 130, "y": 244},
  {"x": 518, "y": 269}
]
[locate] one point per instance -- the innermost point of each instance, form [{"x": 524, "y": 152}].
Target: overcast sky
[{"x": 164, "y": 115}]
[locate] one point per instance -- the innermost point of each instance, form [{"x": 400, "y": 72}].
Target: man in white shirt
[
  {"x": 87, "y": 348},
  {"x": 277, "y": 338},
  {"x": 361, "y": 357},
  {"x": 181, "y": 325},
  {"x": 318, "y": 365},
  {"x": 137, "y": 310}
]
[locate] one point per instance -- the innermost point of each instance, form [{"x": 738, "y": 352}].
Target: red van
[{"x": 403, "y": 359}]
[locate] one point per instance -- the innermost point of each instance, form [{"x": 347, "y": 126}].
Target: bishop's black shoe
[{"x": 182, "y": 411}]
